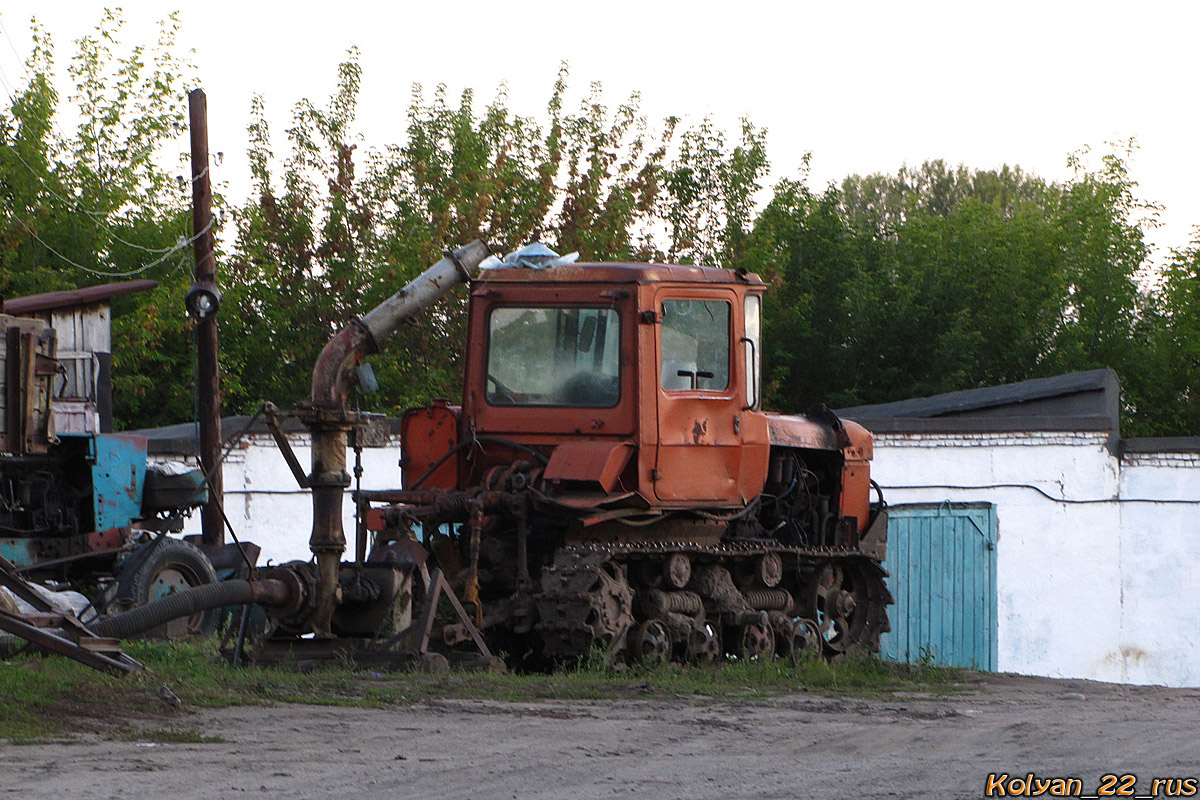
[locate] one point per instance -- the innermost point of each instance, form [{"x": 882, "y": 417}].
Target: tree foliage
[
  {"x": 1164, "y": 391},
  {"x": 342, "y": 227},
  {"x": 936, "y": 279},
  {"x": 887, "y": 286},
  {"x": 99, "y": 203}
]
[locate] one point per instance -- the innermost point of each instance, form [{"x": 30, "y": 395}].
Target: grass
[
  {"x": 53, "y": 697},
  {"x": 170, "y": 735}
]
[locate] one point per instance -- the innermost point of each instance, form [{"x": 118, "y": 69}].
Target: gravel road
[{"x": 788, "y": 747}]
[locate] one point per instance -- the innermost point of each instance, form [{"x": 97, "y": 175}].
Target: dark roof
[
  {"x": 991, "y": 397},
  {"x": 1161, "y": 444},
  {"x": 75, "y": 297},
  {"x": 1083, "y": 401}
]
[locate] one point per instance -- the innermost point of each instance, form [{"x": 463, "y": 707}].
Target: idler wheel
[
  {"x": 844, "y": 604},
  {"x": 651, "y": 645},
  {"x": 704, "y": 646},
  {"x": 804, "y": 642},
  {"x": 839, "y": 599},
  {"x": 770, "y": 569}
]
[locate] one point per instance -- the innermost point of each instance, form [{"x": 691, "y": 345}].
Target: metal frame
[{"x": 87, "y": 648}]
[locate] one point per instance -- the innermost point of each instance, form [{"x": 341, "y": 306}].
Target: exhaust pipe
[{"x": 333, "y": 374}]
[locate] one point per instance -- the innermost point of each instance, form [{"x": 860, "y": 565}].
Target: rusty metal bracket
[
  {"x": 101, "y": 654},
  {"x": 272, "y": 415},
  {"x": 423, "y": 627}
]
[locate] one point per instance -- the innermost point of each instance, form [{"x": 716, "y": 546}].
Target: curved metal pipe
[{"x": 333, "y": 377}]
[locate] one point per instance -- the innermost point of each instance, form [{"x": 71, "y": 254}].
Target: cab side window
[
  {"x": 695, "y": 345},
  {"x": 752, "y": 342}
]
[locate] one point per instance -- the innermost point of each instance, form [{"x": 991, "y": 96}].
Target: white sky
[{"x": 866, "y": 86}]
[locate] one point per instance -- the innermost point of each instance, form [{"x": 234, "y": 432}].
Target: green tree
[
  {"x": 1163, "y": 394},
  {"x": 346, "y": 228},
  {"x": 936, "y": 279},
  {"x": 710, "y": 194}
]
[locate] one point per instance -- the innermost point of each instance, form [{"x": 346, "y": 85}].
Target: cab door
[{"x": 698, "y": 397}]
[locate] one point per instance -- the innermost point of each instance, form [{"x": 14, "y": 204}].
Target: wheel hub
[
  {"x": 704, "y": 646},
  {"x": 652, "y": 643}
]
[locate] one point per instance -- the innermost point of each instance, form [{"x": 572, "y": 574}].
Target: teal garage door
[{"x": 942, "y": 561}]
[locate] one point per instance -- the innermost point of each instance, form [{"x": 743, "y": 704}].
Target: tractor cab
[{"x": 636, "y": 384}]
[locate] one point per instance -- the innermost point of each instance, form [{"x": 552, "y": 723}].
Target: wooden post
[{"x": 207, "y": 386}]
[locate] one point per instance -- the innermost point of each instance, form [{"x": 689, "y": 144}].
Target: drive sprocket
[{"x": 586, "y": 603}]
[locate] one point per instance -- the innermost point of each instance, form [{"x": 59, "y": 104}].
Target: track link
[{"x": 587, "y": 602}]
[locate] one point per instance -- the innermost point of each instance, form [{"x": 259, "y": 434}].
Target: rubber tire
[{"x": 137, "y": 579}]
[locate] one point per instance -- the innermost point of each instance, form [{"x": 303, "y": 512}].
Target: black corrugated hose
[
  {"x": 173, "y": 606},
  {"x": 159, "y": 612}
]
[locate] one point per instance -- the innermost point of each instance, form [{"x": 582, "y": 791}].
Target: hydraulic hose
[
  {"x": 189, "y": 602},
  {"x": 268, "y": 592},
  {"x": 158, "y": 612},
  {"x": 180, "y": 604},
  {"x": 11, "y": 645}
]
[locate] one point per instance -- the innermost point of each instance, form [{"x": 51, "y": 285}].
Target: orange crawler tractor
[{"x": 610, "y": 481}]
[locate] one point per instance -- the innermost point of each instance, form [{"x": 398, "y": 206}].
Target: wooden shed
[{"x": 82, "y": 320}]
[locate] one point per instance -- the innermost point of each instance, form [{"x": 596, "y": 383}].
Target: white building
[{"x": 1097, "y": 539}]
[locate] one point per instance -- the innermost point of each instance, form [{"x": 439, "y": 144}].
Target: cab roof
[{"x": 617, "y": 272}]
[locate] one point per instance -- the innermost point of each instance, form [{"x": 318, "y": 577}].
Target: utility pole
[{"x": 202, "y": 302}]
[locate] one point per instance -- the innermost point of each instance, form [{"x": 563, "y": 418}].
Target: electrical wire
[
  {"x": 9, "y": 88},
  {"x": 12, "y": 47},
  {"x": 750, "y": 508},
  {"x": 106, "y": 274},
  {"x": 475, "y": 440},
  {"x": 208, "y": 476},
  {"x": 96, "y": 217},
  {"x": 1048, "y": 496}
]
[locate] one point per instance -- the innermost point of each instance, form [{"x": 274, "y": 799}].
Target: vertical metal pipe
[
  {"x": 207, "y": 386},
  {"x": 471, "y": 590},
  {"x": 523, "y": 581},
  {"x": 328, "y": 541},
  {"x": 330, "y": 421},
  {"x": 360, "y": 508}
]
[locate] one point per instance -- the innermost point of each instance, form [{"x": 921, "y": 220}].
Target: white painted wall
[
  {"x": 1094, "y": 579},
  {"x": 265, "y": 506}
]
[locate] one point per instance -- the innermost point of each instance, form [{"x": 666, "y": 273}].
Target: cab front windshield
[{"x": 553, "y": 356}]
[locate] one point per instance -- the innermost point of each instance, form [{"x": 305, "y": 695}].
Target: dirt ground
[{"x": 788, "y": 747}]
